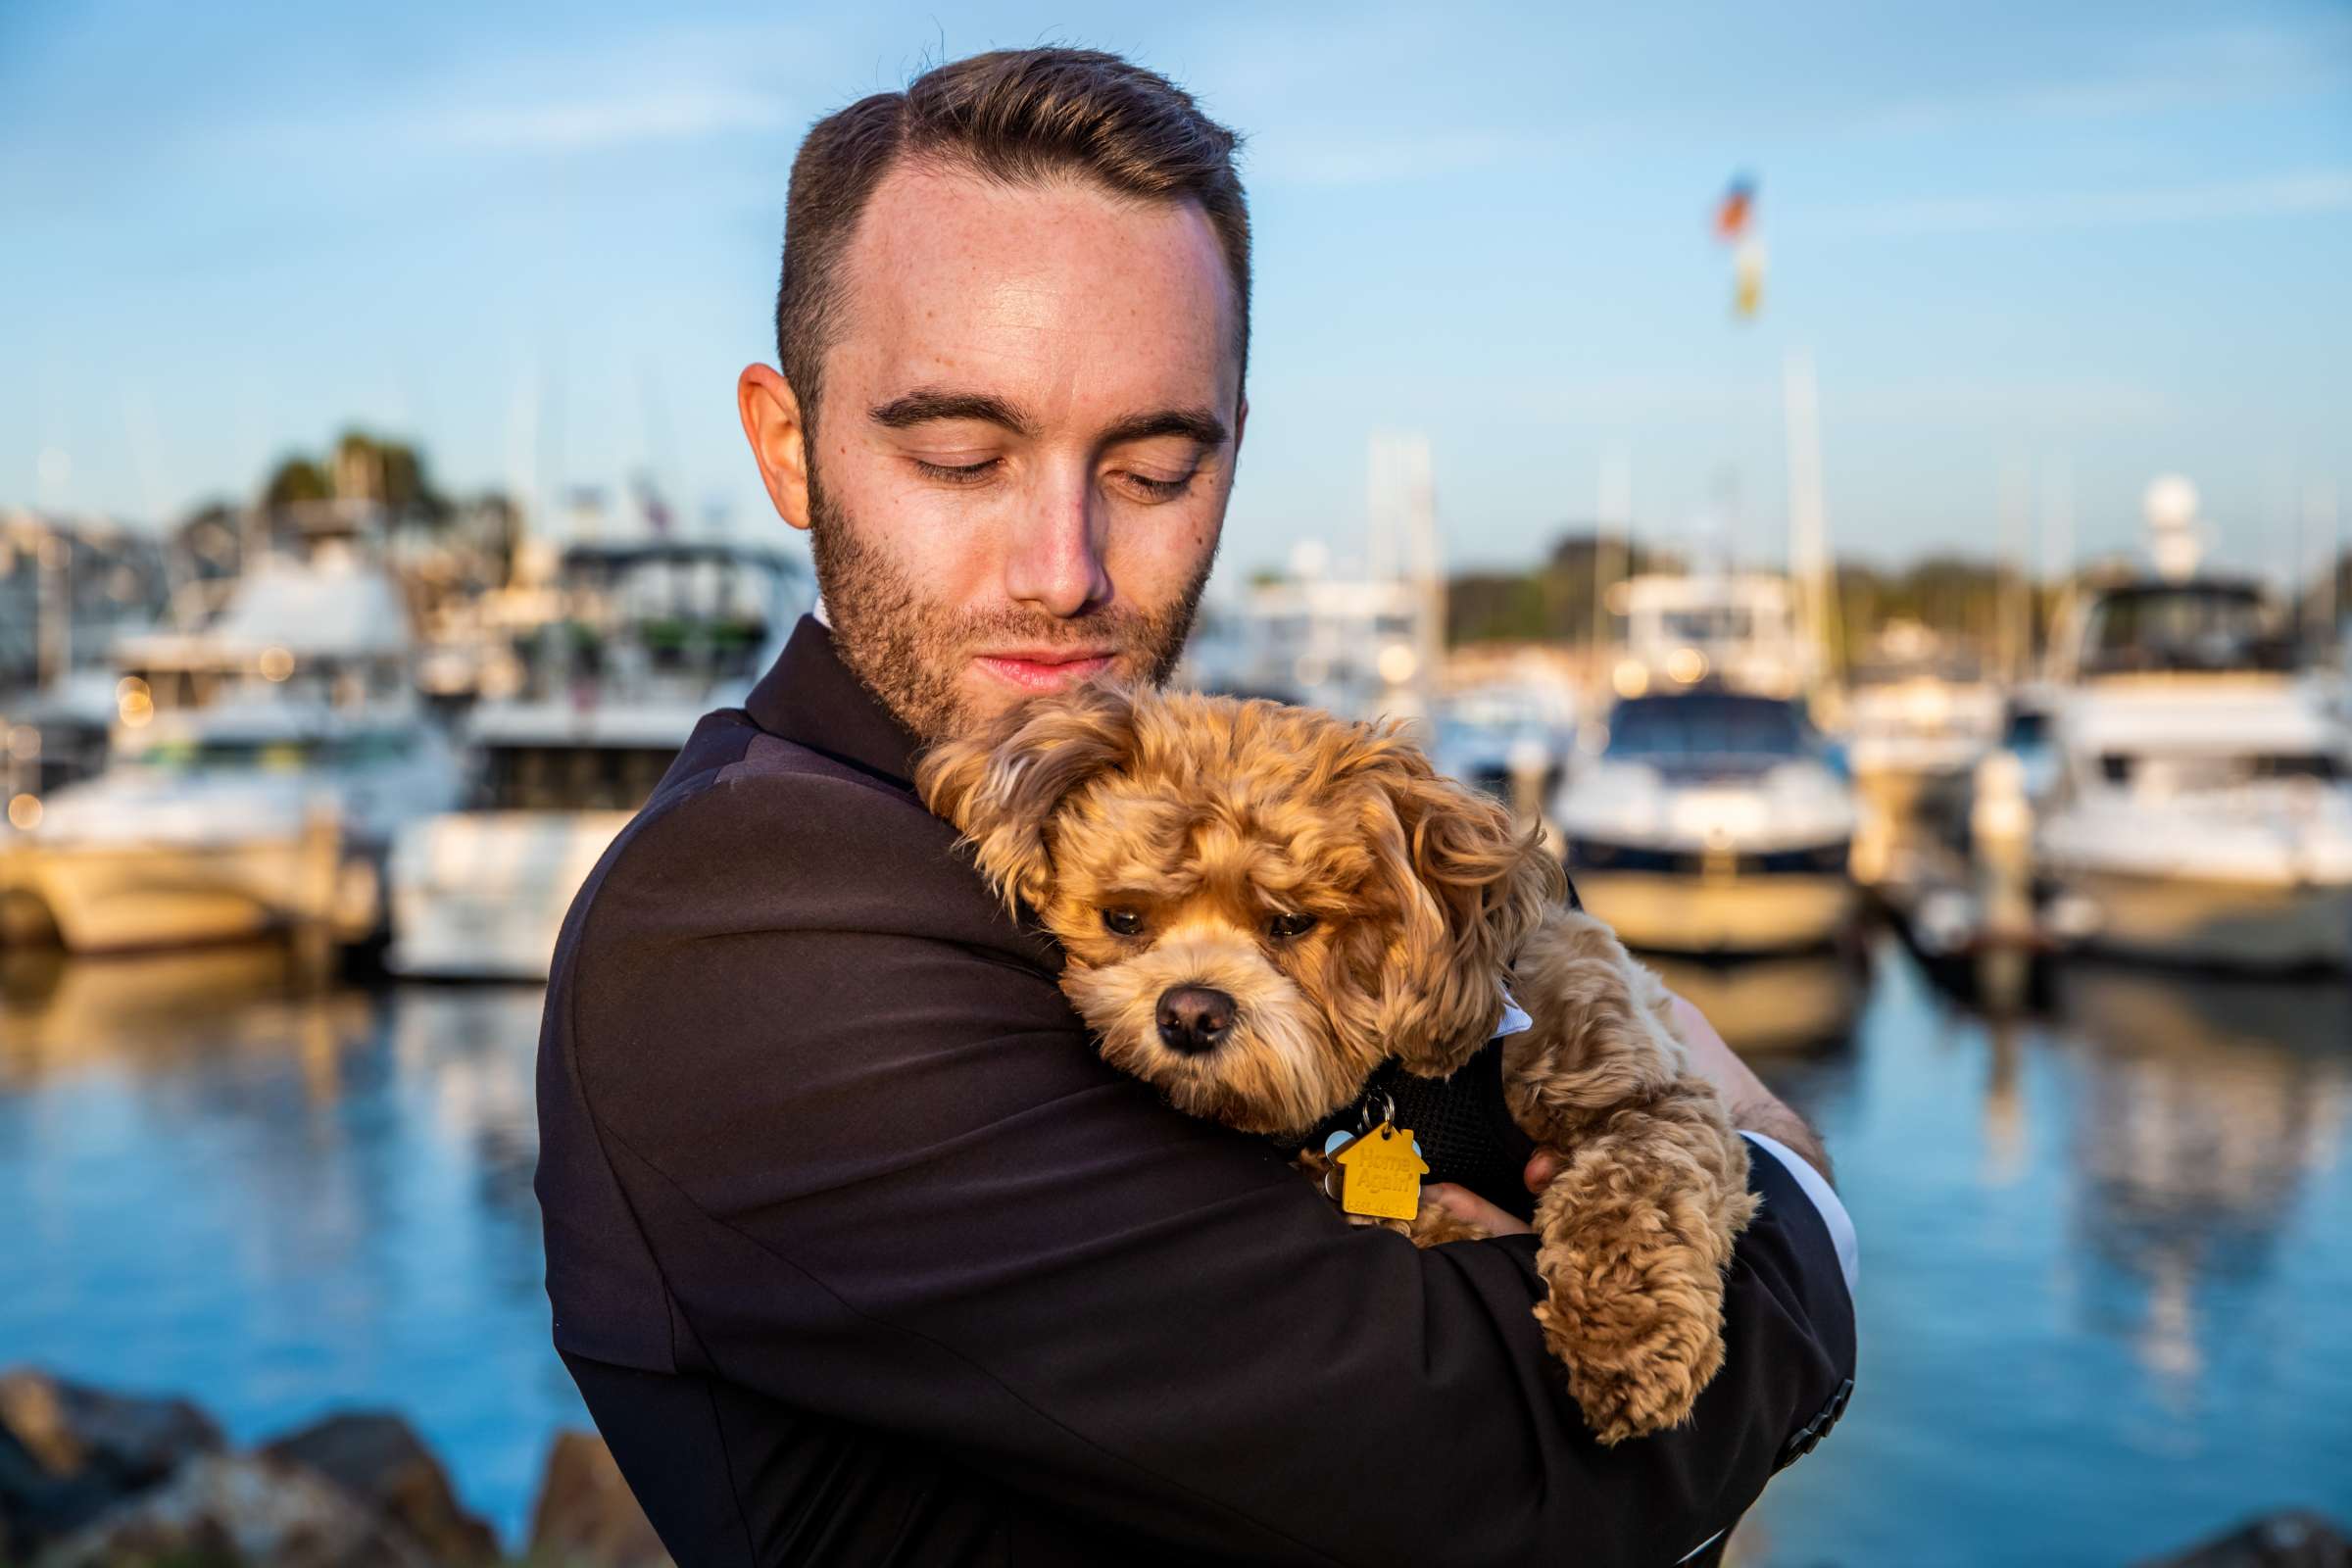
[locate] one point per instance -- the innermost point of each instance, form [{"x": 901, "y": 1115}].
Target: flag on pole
[
  {"x": 1732, "y": 216},
  {"x": 1747, "y": 266},
  {"x": 1736, "y": 226}
]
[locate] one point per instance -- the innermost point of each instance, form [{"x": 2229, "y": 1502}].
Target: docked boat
[
  {"x": 259, "y": 768},
  {"x": 1711, "y": 822},
  {"x": 1511, "y": 737},
  {"x": 2202, "y": 805},
  {"x": 1733, "y": 631},
  {"x": 1918, "y": 715},
  {"x": 651, "y": 637},
  {"x": 2202, "y": 808}
]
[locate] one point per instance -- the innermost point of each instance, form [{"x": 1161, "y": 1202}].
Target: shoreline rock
[
  {"x": 90, "y": 1478},
  {"x": 374, "y": 1455},
  {"x": 586, "y": 1516},
  {"x": 240, "y": 1508},
  {"x": 69, "y": 1453},
  {"x": 2290, "y": 1538}
]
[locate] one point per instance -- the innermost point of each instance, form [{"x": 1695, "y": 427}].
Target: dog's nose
[{"x": 1194, "y": 1018}]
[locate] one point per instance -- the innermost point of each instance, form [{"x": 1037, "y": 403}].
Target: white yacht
[
  {"x": 2202, "y": 808},
  {"x": 1511, "y": 736},
  {"x": 1738, "y": 632},
  {"x": 262, "y": 802},
  {"x": 1919, "y": 714},
  {"x": 651, "y": 636},
  {"x": 1357, "y": 646},
  {"x": 1711, "y": 821}
]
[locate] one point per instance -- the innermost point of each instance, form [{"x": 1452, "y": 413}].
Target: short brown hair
[{"x": 1014, "y": 115}]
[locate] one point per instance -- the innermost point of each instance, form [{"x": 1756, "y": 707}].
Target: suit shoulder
[{"x": 752, "y": 834}]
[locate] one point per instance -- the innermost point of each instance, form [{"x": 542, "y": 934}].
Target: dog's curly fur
[{"x": 1199, "y": 822}]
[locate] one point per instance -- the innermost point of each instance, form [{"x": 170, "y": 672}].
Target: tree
[
  {"x": 391, "y": 474},
  {"x": 295, "y": 480}
]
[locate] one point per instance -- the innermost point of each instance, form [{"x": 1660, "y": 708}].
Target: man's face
[{"x": 1030, "y": 411}]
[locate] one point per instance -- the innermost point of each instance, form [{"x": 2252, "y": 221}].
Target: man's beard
[{"x": 914, "y": 653}]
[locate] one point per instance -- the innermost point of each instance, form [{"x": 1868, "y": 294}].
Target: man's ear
[
  {"x": 1474, "y": 885},
  {"x": 1001, "y": 787},
  {"x": 779, "y": 436}
]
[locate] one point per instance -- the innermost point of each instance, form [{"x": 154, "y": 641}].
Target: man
[{"x": 858, "y": 1252}]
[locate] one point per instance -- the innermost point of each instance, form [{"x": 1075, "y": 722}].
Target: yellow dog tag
[{"x": 1380, "y": 1174}]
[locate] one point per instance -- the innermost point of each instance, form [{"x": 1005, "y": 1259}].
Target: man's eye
[
  {"x": 1122, "y": 922},
  {"x": 1148, "y": 488},
  {"x": 957, "y": 473},
  {"x": 1283, "y": 927}
]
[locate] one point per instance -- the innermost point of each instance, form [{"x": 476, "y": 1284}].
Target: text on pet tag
[
  {"x": 1343, "y": 1138},
  {"x": 1380, "y": 1174}
]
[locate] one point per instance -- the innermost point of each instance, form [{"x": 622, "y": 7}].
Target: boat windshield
[
  {"x": 2193, "y": 771},
  {"x": 1705, "y": 725},
  {"x": 232, "y": 754},
  {"x": 2027, "y": 728},
  {"x": 2172, "y": 628},
  {"x": 1709, "y": 624},
  {"x": 571, "y": 778}
]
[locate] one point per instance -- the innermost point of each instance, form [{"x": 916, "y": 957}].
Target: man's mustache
[{"x": 1120, "y": 625}]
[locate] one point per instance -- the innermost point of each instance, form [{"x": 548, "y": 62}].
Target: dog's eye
[
  {"x": 1283, "y": 927},
  {"x": 1122, "y": 922}
]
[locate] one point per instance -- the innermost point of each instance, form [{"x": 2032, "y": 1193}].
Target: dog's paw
[
  {"x": 1633, "y": 1255},
  {"x": 1633, "y": 1387}
]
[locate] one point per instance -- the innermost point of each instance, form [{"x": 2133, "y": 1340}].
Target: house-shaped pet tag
[{"x": 1380, "y": 1174}]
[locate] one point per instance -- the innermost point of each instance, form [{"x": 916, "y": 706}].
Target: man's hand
[
  {"x": 1468, "y": 1207},
  {"x": 1753, "y": 1108}
]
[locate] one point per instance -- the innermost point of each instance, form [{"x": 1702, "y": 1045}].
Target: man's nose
[
  {"x": 1055, "y": 563},
  {"x": 1194, "y": 1019}
]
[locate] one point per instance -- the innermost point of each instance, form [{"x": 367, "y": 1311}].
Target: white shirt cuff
[{"x": 1825, "y": 1201}]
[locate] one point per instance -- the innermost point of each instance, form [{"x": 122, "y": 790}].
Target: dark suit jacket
[{"x": 860, "y": 1254}]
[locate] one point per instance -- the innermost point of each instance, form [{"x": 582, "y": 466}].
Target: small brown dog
[{"x": 1260, "y": 904}]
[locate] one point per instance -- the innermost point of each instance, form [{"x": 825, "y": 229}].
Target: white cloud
[{"x": 2278, "y": 196}]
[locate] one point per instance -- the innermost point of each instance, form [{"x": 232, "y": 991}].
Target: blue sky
[{"x": 2049, "y": 246}]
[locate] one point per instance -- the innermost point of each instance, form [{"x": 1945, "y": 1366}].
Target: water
[
  {"x": 277, "y": 1202},
  {"x": 2106, "y": 1257}
]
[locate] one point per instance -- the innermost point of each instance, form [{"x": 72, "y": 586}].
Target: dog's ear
[
  {"x": 1001, "y": 787},
  {"x": 1472, "y": 885}
]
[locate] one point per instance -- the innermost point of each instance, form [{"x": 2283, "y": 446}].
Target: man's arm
[
  {"x": 1754, "y": 1106},
  {"x": 887, "y": 1179}
]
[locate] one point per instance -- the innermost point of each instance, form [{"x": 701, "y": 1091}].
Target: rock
[
  {"x": 240, "y": 1509},
  {"x": 586, "y": 1516},
  {"x": 2292, "y": 1537},
  {"x": 375, "y": 1458},
  {"x": 68, "y": 1453}
]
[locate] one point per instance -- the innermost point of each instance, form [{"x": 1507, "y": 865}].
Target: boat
[
  {"x": 653, "y": 636},
  {"x": 1352, "y": 646},
  {"x": 1510, "y": 735},
  {"x": 1711, "y": 821},
  {"x": 1919, "y": 717},
  {"x": 2203, "y": 802},
  {"x": 69, "y": 589},
  {"x": 260, "y": 765},
  {"x": 1732, "y": 631}
]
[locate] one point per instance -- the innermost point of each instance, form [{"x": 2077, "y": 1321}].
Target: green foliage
[
  {"x": 1555, "y": 603},
  {"x": 360, "y": 467},
  {"x": 388, "y": 472},
  {"x": 296, "y": 480}
]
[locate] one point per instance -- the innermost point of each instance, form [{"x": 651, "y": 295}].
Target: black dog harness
[{"x": 1466, "y": 1131}]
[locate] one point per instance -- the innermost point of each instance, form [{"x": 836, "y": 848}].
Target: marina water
[{"x": 2105, "y": 1273}]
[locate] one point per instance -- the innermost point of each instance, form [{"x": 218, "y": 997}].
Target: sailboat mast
[{"x": 1808, "y": 523}]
